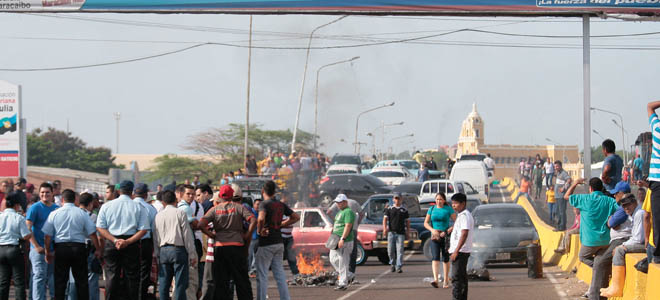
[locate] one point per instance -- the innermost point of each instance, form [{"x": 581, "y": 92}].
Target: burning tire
[{"x": 361, "y": 255}]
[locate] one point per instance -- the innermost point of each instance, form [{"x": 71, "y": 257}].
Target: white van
[
  {"x": 473, "y": 172},
  {"x": 449, "y": 188}
]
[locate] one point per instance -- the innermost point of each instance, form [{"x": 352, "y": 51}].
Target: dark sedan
[
  {"x": 502, "y": 233},
  {"x": 358, "y": 187}
]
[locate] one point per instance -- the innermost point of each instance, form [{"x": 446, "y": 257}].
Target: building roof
[{"x": 62, "y": 172}]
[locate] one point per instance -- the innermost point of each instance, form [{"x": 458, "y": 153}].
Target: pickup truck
[{"x": 315, "y": 227}]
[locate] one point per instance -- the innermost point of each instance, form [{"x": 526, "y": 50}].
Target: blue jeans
[
  {"x": 173, "y": 262},
  {"x": 42, "y": 276},
  {"x": 395, "y": 248},
  {"x": 254, "y": 245},
  {"x": 548, "y": 179},
  {"x": 92, "y": 282},
  {"x": 551, "y": 210},
  {"x": 271, "y": 256},
  {"x": 649, "y": 254},
  {"x": 561, "y": 214},
  {"x": 290, "y": 255}
]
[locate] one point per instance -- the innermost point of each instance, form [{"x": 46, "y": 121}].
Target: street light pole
[
  {"x": 247, "y": 101},
  {"x": 117, "y": 117},
  {"x": 398, "y": 138},
  {"x": 598, "y": 133},
  {"x": 620, "y": 118},
  {"x": 357, "y": 121},
  {"x": 302, "y": 87},
  {"x": 316, "y": 94},
  {"x": 623, "y": 140}
]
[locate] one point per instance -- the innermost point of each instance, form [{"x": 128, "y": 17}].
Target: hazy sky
[{"x": 525, "y": 92}]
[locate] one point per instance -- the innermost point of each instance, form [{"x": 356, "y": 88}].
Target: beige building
[{"x": 507, "y": 157}]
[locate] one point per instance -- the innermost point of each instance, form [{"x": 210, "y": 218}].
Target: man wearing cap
[
  {"x": 635, "y": 244},
  {"x": 42, "y": 272},
  {"x": 69, "y": 227},
  {"x": 271, "y": 246},
  {"x": 343, "y": 227},
  {"x": 396, "y": 226},
  {"x": 140, "y": 193},
  {"x": 359, "y": 214},
  {"x": 174, "y": 248},
  {"x": 229, "y": 253},
  {"x": 122, "y": 222},
  {"x": 595, "y": 210},
  {"x": 12, "y": 230}
]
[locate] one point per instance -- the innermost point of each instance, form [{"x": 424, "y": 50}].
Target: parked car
[
  {"x": 358, "y": 187},
  {"x": 374, "y": 210},
  {"x": 502, "y": 233},
  {"x": 343, "y": 169},
  {"x": 449, "y": 187},
  {"x": 394, "y": 175},
  {"x": 412, "y": 166},
  {"x": 315, "y": 227},
  {"x": 473, "y": 172},
  {"x": 346, "y": 159},
  {"x": 408, "y": 187}
]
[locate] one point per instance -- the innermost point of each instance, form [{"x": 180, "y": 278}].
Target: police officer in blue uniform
[
  {"x": 69, "y": 227},
  {"x": 12, "y": 230},
  {"x": 122, "y": 222}
]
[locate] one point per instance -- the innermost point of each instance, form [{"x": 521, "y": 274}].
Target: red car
[{"x": 315, "y": 227}]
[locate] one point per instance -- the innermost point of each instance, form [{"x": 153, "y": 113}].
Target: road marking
[
  {"x": 502, "y": 194},
  {"x": 371, "y": 282},
  {"x": 562, "y": 295}
]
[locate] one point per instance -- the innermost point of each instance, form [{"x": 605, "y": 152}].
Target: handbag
[{"x": 333, "y": 242}]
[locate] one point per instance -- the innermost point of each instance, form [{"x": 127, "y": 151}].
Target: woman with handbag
[{"x": 437, "y": 221}]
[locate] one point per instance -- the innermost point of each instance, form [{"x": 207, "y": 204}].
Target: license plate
[{"x": 502, "y": 256}]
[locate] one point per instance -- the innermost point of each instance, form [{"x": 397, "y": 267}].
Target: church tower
[{"x": 472, "y": 134}]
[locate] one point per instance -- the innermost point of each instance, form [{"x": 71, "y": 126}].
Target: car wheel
[
  {"x": 362, "y": 256},
  {"x": 326, "y": 200},
  {"x": 383, "y": 257},
  {"x": 426, "y": 246}
]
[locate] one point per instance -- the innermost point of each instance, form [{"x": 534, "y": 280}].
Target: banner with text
[
  {"x": 9, "y": 129},
  {"x": 531, "y": 7}
]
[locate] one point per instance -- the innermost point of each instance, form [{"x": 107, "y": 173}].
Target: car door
[{"x": 315, "y": 231}]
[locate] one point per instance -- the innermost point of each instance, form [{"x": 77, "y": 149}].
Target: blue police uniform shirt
[
  {"x": 151, "y": 212},
  {"x": 123, "y": 216},
  {"x": 38, "y": 214},
  {"x": 12, "y": 227},
  {"x": 69, "y": 224}
]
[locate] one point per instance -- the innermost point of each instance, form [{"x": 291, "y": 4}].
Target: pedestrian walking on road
[
  {"x": 271, "y": 246},
  {"x": 42, "y": 272},
  {"x": 343, "y": 227},
  {"x": 549, "y": 172},
  {"x": 550, "y": 199},
  {"x": 13, "y": 230},
  {"x": 174, "y": 248},
  {"x": 595, "y": 209},
  {"x": 69, "y": 227},
  {"x": 460, "y": 246},
  {"x": 396, "y": 226},
  {"x": 537, "y": 178},
  {"x": 122, "y": 222},
  {"x": 562, "y": 183},
  {"x": 437, "y": 222}
]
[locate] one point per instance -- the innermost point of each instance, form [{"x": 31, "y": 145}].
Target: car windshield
[
  {"x": 469, "y": 189},
  {"x": 501, "y": 218},
  {"x": 478, "y": 157},
  {"x": 340, "y": 171},
  {"x": 374, "y": 180},
  {"x": 376, "y": 208},
  {"x": 409, "y": 164},
  {"x": 387, "y": 174},
  {"x": 346, "y": 160}
]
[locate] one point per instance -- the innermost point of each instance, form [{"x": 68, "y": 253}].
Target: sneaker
[
  {"x": 341, "y": 288},
  {"x": 393, "y": 269},
  {"x": 399, "y": 270}
]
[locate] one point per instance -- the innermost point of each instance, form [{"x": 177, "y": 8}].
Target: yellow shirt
[
  {"x": 550, "y": 196},
  {"x": 647, "y": 208}
]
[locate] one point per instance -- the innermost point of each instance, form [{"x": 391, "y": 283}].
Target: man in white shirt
[
  {"x": 460, "y": 246},
  {"x": 490, "y": 163}
]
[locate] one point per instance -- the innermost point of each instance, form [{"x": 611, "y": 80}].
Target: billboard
[
  {"x": 485, "y": 7},
  {"x": 10, "y": 129}
]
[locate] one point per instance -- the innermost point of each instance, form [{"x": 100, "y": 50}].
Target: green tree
[
  {"x": 171, "y": 167},
  {"x": 59, "y": 149}
]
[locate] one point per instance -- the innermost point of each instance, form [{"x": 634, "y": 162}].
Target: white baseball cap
[{"x": 340, "y": 198}]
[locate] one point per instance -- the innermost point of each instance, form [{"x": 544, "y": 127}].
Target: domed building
[{"x": 471, "y": 140}]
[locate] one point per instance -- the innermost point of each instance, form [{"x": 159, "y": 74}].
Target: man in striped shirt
[{"x": 654, "y": 172}]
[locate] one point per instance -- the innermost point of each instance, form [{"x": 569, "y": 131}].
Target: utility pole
[
  {"x": 247, "y": 101},
  {"x": 117, "y": 117}
]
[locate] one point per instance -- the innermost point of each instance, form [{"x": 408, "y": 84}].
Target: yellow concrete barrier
[{"x": 653, "y": 277}]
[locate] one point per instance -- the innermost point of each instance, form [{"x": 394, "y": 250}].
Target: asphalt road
[{"x": 377, "y": 282}]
